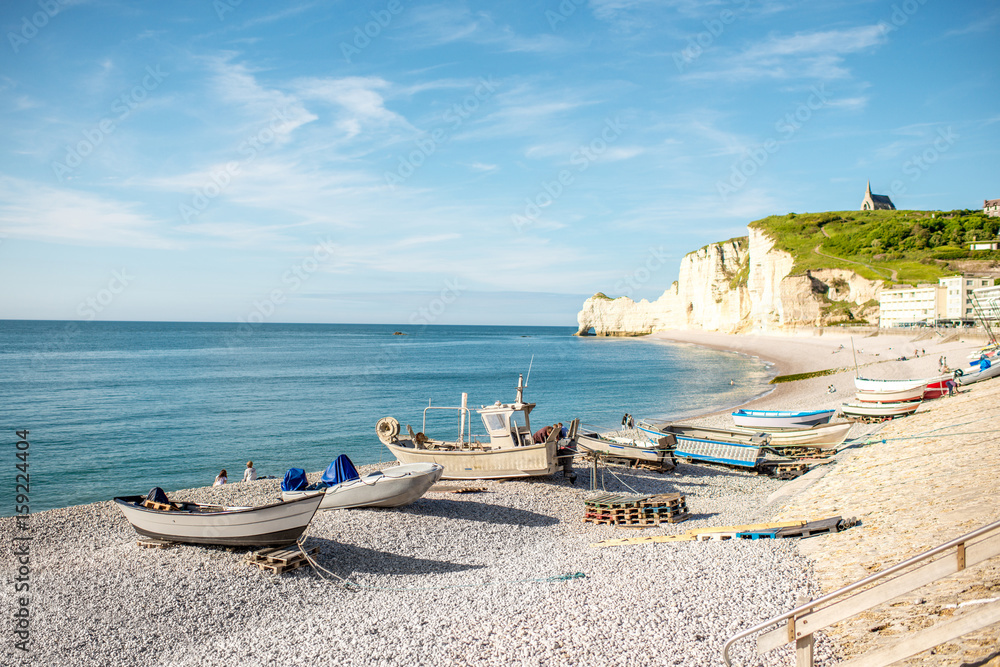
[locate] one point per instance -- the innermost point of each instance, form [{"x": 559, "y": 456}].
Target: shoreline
[{"x": 485, "y": 578}]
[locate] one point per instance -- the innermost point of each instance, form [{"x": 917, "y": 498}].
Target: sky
[{"x": 457, "y": 163}]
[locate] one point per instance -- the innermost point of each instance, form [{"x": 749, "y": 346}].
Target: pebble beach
[{"x": 509, "y": 575}]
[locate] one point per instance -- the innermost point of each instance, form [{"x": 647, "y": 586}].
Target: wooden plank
[
  {"x": 930, "y": 572},
  {"x": 643, "y": 540},
  {"x": 928, "y": 638},
  {"x": 804, "y": 652},
  {"x": 748, "y": 527}
]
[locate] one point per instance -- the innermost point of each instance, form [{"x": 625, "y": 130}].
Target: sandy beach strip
[{"x": 491, "y": 578}]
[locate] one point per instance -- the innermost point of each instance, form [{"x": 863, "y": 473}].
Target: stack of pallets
[
  {"x": 640, "y": 511},
  {"x": 280, "y": 559}
]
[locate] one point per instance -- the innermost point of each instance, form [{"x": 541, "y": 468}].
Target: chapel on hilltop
[{"x": 876, "y": 202}]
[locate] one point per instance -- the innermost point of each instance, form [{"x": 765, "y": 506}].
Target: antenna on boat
[
  {"x": 855, "y": 357},
  {"x": 529, "y": 371}
]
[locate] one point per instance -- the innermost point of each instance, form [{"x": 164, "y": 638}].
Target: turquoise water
[{"x": 115, "y": 408}]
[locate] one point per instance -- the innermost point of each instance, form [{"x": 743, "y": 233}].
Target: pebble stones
[{"x": 453, "y": 579}]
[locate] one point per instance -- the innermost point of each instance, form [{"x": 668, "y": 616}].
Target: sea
[{"x": 115, "y": 408}]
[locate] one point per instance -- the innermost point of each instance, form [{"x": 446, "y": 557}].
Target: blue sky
[{"x": 480, "y": 163}]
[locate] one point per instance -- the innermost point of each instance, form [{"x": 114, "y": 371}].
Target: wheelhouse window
[{"x": 494, "y": 422}]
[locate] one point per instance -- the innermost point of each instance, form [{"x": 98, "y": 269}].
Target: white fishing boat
[
  {"x": 914, "y": 393},
  {"x": 824, "y": 436},
  {"x": 773, "y": 419},
  {"x": 970, "y": 376},
  {"x": 875, "y": 409},
  {"x": 882, "y": 386},
  {"x": 660, "y": 453},
  {"x": 509, "y": 452},
  {"x": 392, "y": 487},
  {"x": 277, "y": 524}
]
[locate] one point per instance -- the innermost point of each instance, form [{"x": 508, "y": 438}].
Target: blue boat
[
  {"x": 711, "y": 445},
  {"x": 782, "y": 419}
]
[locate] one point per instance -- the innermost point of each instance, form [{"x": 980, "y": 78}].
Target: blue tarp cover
[
  {"x": 295, "y": 480},
  {"x": 984, "y": 363},
  {"x": 339, "y": 471}
]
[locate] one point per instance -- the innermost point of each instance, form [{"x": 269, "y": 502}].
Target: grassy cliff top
[{"x": 897, "y": 246}]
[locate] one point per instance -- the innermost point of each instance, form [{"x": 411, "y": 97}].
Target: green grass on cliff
[{"x": 915, "y": 244}]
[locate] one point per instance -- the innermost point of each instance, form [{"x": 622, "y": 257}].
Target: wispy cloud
[
  {"x": 30, "y": 210},
  {"x": 810, "y": 55}
]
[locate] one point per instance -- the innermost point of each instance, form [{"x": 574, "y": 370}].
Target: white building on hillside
[
  {"x": 988, "y": 299},
  {"x": 959, "y": 302},
  {"x": 905, "y": 304},
  {"x": 950, "y": 299}
]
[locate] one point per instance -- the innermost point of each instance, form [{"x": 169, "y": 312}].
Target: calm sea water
[{"x": 115, "y": 408}]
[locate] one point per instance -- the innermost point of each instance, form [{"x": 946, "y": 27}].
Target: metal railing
[{"x": 812, "y": 616}]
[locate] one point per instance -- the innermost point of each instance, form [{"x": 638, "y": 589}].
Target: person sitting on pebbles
[
  {"x": 221, "y": 479},
  {"x": 250, "y": 474}
]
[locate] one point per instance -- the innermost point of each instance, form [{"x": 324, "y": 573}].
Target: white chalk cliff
[{"x": 737, "y": 286}]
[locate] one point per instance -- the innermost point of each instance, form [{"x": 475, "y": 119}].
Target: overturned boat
[
  {"x": 343, "y": 488},
  {"x": 510, "y": 452},
  {"x": 659, "y": 453},
  {"x": 876, "y": 409},
  {"x": 277, "y": 524}
]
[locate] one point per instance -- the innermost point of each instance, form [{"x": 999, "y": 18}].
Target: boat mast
[
  {"x": 461, "y": 419},
  {"x": 520, "y": 389}
]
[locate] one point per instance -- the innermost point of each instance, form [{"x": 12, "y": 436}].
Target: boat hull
[
  {"x": 869, "y": 385},
  {"x": 880, "y": 409},
  {"x": 501, "y": 463},
  {"x": 712, "y": 445},
  {"x": 978, "y": 376},
  {"x": 825, "y": 435},
  {"x": 270, "y": 525},
  {"x": 392, "y": 487},
  {"x": 622, "y": 450},
  {"x": 915, "y": 393},
  {"x": 781, "y": 419}
]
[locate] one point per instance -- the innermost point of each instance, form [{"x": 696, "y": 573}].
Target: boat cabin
[{"x": 507, "y": 424}]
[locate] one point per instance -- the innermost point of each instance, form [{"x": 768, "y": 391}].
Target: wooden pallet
[
  {"x": 813, "y": 528},
  {"x": 281, "y": 559},
  {"x": 153, "y": 505},
  {"x": 635, "y": 510}
]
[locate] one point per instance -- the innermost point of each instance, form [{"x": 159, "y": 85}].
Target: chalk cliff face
[{"x": 737, "y": 286}]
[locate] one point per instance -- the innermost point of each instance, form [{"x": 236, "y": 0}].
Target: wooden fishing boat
[
  {"x": 713, "y": 445},
  {"x": 510, "y": 451},
  {"x": 824, "y": 436},
  {"x": 660, "y": 453},
  {"x": 392, "y": 487},
  {"x": 277, "y": 524},
  {"x": 914, "y": 393},
  {"x": 781, "y": 418},
  {"x": 876, "y": 409}
]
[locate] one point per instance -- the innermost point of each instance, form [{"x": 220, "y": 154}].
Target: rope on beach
[
  {"x": 926, "y": 434},
  {"x": 349, "y": 585}
]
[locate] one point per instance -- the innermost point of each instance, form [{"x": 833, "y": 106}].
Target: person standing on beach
[
  {"x": 250, "y": 474},
  {"x": 221, "y": 479}
]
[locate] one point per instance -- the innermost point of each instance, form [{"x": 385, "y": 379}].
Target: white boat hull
[
  {"x": 825, "y": 436},
  {"x": 892, "y": 396},
  {"x": 392, "y": 487},
  {"x": 652, "y": 454},
  {"x": 879, "y": 386},
  {"x": 505, "y": 463},
  {"x": 780, "y": 419},
  {"x": 270, "y": 525},
  {"x": 880, "y": 409},
  {"x": 977, "y": 376}
]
